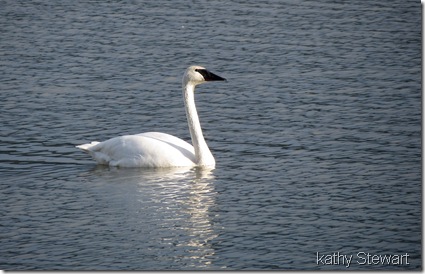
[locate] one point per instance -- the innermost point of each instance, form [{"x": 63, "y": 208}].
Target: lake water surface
[{"x": 316, "y": 134}]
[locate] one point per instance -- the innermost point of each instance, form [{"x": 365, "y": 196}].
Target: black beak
[{"x": 209, "y": 76}]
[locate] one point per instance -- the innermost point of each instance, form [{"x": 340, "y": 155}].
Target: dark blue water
[{"x": 316, "y": 134}]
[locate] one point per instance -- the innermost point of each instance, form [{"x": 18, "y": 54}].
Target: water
[{"x": 316, "y": 134}]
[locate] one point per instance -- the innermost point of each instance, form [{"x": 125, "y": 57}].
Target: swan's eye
[{"x": 203, "y": 72}]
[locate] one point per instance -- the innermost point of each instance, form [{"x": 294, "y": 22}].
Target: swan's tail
[
  {"x": 99, "y": 156},
  {"x": 86, "y": 147}
]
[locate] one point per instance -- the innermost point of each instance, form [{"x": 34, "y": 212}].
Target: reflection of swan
[
  {"x": 179, "y": 206},
  {"x": 154, "y": 149},
  {"x": 166, "y": 214},
  {"x": 198, "y": 174}
]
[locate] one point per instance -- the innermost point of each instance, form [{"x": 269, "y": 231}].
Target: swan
[{"x": 155, "y": 149}]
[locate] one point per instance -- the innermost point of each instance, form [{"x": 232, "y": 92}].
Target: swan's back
[{"x": 151, "y": 149}]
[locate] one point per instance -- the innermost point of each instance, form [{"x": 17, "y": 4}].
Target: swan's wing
[
  {"x": 142, "y": 150},
  {"x": 167, "y": 138}
]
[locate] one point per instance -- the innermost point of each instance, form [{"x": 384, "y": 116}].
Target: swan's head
[{"x": 198, "y": 75}]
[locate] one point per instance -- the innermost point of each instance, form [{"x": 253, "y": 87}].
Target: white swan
[{"x": 155, "y": 149}]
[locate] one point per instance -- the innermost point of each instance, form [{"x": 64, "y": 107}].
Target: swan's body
[{"x": 155, "y": 149}]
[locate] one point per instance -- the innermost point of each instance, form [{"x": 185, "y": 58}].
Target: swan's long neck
[{"x": 202, "y": 152}]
